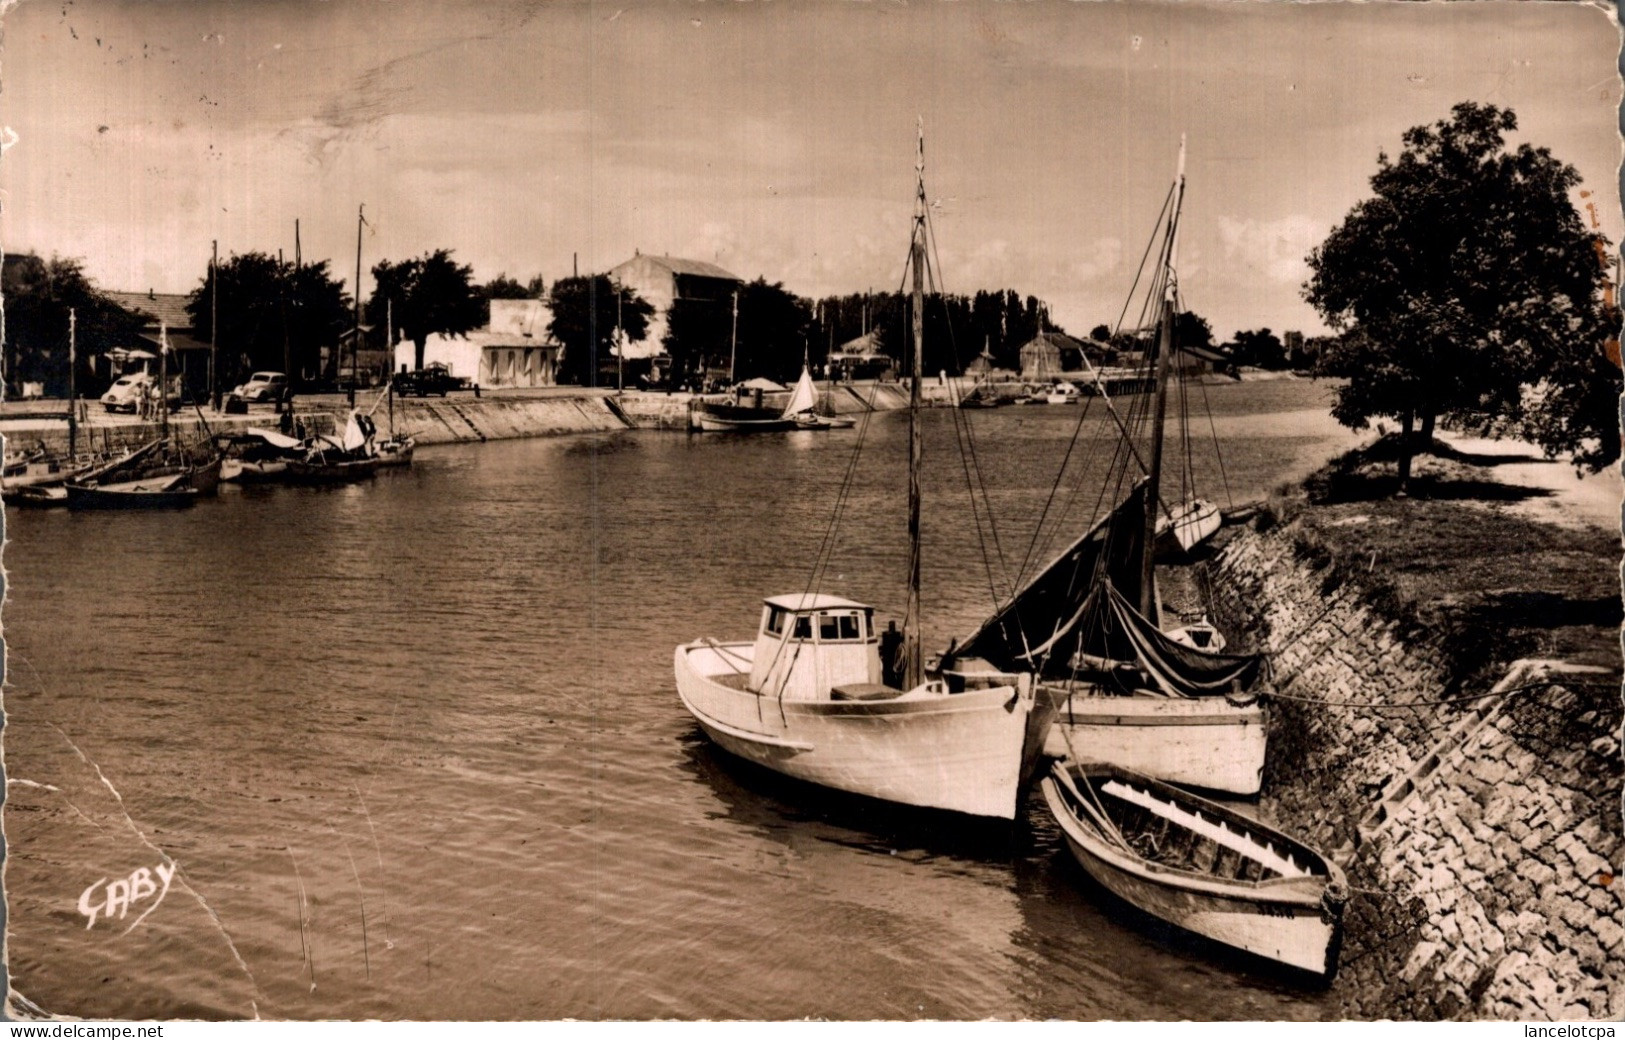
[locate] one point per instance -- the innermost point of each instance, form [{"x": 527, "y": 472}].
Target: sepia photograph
[{"x": 835, "y": 510}]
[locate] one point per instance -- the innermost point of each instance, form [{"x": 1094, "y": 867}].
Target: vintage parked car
[
  {"x": 125, "y": 393},
  {"x": 434, "y": 379},
  {"x": 262, "y": 386}
]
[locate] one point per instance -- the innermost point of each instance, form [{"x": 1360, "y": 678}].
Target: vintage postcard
[{"x": 838, "y": 509}]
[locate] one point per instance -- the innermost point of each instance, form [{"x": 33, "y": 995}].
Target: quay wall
[
  {"x": 1482, "y": 839},
  {"x": 462, "y": 419},
  {"x": 457, "y": 418}
]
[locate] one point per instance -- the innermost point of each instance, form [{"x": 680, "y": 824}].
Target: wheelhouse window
[
  {"x": 803, "y": 628},
  {"x": 775, "y": 620},
  {"x": 839, "y": 627}
]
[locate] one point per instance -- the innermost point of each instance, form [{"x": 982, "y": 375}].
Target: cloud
[
  {"x": 1098, "y": 260},
  {"x": 1273, "y": 248}
]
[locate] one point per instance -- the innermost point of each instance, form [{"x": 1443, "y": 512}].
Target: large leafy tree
[
  {"x": 585, "y": 318},
  {"x": 773, "y": 331},
  {"x": 38, "y": 295},
  {"x": 267, "y": 304},
  {"x": 1466, "y": 276},
  {"x": 698, "y": 336},
  {"x": 430, "y": 294}
]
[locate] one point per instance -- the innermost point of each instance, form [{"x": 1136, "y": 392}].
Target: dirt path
[{"x": 1593, "y": 499}]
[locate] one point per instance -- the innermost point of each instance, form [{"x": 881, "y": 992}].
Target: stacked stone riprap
[{"x": 1487, "y": 886}]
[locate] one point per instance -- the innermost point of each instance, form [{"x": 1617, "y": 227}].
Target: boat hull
[
  {"x": 1203, "y": 742},
  {"x": 717, "y": 424},
  {"x": 961, "y": 752},
  {"x": 80, "y": 498},
  {"x": 1191, "y": 524},
  {"x": 237, "y": 471},
  {"x": 396, "y": 453},
  {"x": 1290, "y": 920},
  {"x": 316, "y": 473},
  {"x": 38, "y": 496}
]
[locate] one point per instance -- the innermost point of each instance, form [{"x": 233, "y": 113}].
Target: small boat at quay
[
  {"x": 342, "y": 460},
  {"x": 822, "y": 696},
  {"x": 726, "y": 418},
  {"x": 321, "y": 467},
  {"x": 397, "y": 451},
  {"x": 1201, "y": 867},
  {"x": 150, "y": 493},
  {"x": 257, "y": 455}
]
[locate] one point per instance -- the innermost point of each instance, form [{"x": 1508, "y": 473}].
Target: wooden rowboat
[
  {"x": 1199, "y": 866},
  {"x": 161, "y": 493}
]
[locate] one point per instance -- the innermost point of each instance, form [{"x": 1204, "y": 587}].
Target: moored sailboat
[
  {"x": 811, "y": 697},
  {"x": 1168, "y": 703}
]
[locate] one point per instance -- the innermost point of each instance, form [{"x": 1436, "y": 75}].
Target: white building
[{"x": 513, "y": 349}]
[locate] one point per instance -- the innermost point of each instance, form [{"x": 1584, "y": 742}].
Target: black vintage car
[{"x": 433, "y": 379}]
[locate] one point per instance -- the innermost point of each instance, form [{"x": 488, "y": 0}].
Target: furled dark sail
[
  {"x": 1054, "y": 617},
  {"x": 1078, "y": 615},
  {"x": 1177, "y": 669}
]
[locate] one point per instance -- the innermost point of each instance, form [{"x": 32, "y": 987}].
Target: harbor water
[{"x": 415, "y": 748}]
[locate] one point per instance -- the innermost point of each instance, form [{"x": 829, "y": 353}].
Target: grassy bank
[{"x": 1453, "y": 563}]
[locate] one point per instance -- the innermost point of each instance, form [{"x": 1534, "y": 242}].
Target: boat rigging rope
[
  {"x": 970, "y": 462},
  {"x": 1224, "y": 477}
]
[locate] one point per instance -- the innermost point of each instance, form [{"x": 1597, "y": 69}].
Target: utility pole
[
  {"x": 620, "y": 344},
  {"x": 733, "y": 341},
  {"x": 355, "y": 344},
  {"x": 287, "y": 343},
  {"x": 73, "y": 405},
  {"x": 214, "y": 325},
  {"x": 163, "y": 381},
  {"x": 282, "y": 309}
]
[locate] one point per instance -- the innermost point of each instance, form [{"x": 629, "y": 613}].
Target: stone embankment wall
[
  {"x": 461, "y": 418},
  {"x": 1482, "y": 839}
]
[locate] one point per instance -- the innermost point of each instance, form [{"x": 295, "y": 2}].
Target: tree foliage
[
  {"x": 773, "y": 334},
  {"x": 265, "y": 302},
  {"x": 584, "y": 322},
  {"x": 1466, "y": 277},
  {"x": 1260, "y": 349},
  {"x": 957, "y": 328},
  {"x": 38, "y": 295},
  {"x": 504, "y": 288},
  {"x": 431, "y": 294}
]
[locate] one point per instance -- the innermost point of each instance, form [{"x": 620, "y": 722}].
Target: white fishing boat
[
  {"x": 816, "y": 695},
  {"x": 1201, "y": 867},
  {"x": 1172, "y": 703},
  {"x": 806, "y": 699}
]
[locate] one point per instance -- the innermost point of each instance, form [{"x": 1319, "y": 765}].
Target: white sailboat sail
[{"x": 805, "y": 396}]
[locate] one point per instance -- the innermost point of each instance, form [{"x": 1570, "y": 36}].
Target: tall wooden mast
[
  {"x": 914, "y": 671},
  {"x": 73, "y": 404},
  {"x": 1165, "y": 349}
]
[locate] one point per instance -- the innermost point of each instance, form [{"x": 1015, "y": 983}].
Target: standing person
[{"x": 891, "y": 656}]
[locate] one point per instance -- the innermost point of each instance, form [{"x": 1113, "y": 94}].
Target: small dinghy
[{"x": 1200, "y": 866}]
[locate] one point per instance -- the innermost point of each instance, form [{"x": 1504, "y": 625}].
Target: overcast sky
[{"x": 774, "y": 138}]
